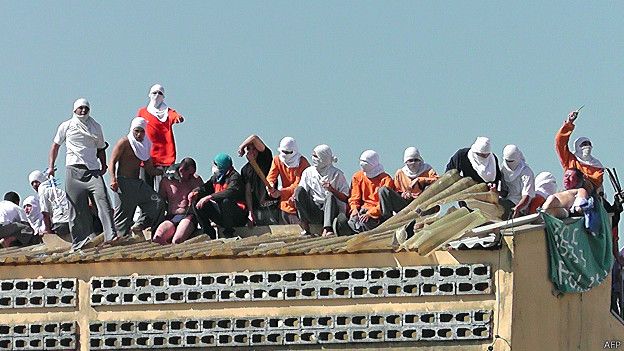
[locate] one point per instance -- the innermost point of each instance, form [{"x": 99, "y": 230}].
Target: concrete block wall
[
  {"x": 38, "y": 293},
  {"x": 463, "y": 279},
  {"x": 38, "y": 336},
  {"x": 292, "y": 330}
]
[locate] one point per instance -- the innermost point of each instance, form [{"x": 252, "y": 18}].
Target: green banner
[{"x": 579, "y": 260}]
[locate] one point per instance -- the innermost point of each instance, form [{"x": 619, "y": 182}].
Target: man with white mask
[
  {"x": 364, "y": 206},
  {"x": 53, "y": 203},
  {"x": 33, "y": 214},
  {"x": 14, "y": 227},
  {"x": 409, "y": 182},
  {"x": 322, "y": 192},
  {"x": 545, "y": 185},
  {"x": 479, "y": 163},
  {"x": 86, "y": 164},
  {"x": 582, "y": 158},
  {"x": 128, "y": 154},
  {"x": 520, "y": 181},
  {"x": 288, "y": 167},
  {"x": 160, "y": 120}
]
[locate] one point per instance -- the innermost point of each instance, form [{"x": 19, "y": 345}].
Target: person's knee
[
  {"x": 299, "y": 193},
  {"x": 383, "y": 191}
]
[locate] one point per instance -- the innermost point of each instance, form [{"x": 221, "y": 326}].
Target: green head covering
[{"x": 223, "y": 161}]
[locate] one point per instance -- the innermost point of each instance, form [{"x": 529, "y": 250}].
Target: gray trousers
[
  {"x": 310, "y": 212},
  {"x": 390, "y": 202},
  {"x": 133, "y": 193},
  {"x": 79, "y": 183},
  {"x": 22, "y": 232},
  {"x": 359, "y": 226}
]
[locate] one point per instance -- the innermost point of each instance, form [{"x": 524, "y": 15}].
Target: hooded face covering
[
  {"x": 81, "y": 122},
  {"x": 413, "y": 169},
  {"x": 141, "y": 148},
  {"x": 545, "y": 184},
  {"x": 223, "y": 163},
  {"x": 369, "y": 161},
  {"x": 35, "y": 218},
  {"x": 323, "y": 159},
  {"x": 289, "y": 152},
  {"x": 583, "y": 153},
  {"x": 38, "y": 176},
  {"x": 484, "y": 166},
  {"x": 156, "y": 105},
  {"x": 513, "y": 163},
  {"x": 82, "y": 102}
]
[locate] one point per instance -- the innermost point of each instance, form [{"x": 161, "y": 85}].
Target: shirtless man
[
  {"x": 568, "y": 202},
  {"x": 128, "y": 154},
  {"x": 175, "y": 192}
]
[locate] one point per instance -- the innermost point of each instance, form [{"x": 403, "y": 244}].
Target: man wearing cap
[
  {"x": 52, "y": 202},
  {"x": 128, "y": 154},
  {"x": 86, "y": 163},
  {"x": 221, "y": 199}
]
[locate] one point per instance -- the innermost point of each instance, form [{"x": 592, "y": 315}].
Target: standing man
[
  {"x": 86, "y": 163},
  {"x": 160, "y": 120},
  {"x": 129, "y": 152},
  {"x": 520, "y": 181},
  {"x": 52, "y": 202},
  {"x": 582, "y": 158}
]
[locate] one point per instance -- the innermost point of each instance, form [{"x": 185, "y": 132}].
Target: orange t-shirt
[
  {"x": 364, "y": 192},
  {"x": 161, "y": 135},
  {"x": 403, "y": 183},
  {"x": 535, "y": 203},
  {"x": 289, "y": 178},
  {"x": 569, "y": 160}
]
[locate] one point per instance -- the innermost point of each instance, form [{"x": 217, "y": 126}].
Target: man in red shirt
[{"x": 160, "y": 120}]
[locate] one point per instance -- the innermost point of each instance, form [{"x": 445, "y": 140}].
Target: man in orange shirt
[
  {"x": 409, "y": 182},
  {"x": 581, "y": 159},
  {"x": 160, "y": 120},
  {"x": 364, "y": 206},
  {"x": 288, "y": 165}
]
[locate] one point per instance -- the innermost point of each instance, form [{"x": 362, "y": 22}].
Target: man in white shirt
[
  {"x": 86, "y": 163},
  {"x": 14, "y": 227},
  {"x": 520, "y": 181},
  {"x": 52, "y": 202},
  {"x": 322, "y": 193}
]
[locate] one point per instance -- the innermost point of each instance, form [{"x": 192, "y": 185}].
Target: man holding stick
[{"x": 263, "y": 209}]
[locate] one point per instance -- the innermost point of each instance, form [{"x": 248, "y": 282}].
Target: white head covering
[
  {"x": 80, "y": 122},
  {"x": 157, "y": 106},
  {"x": 36, "y": 175},
  {"x": 35, "y": 218},
  {"x": 324, "y": 160},
  {"x": 585, "y": 159},
  {"x": 141, "y": 148},
  {"x": 369, "y": 161},
  {"x": 291, "y": 160},
  {"x": 545, "y": 184},
  {"x": 485, "y": 167},
  {"x": 512, "y": 153},
  {"x": 413, "y": 170}
]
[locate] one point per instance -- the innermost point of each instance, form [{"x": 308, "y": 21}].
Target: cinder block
[
  {"x": 222, "y": 279},
  {"x": 438, "y": 288},
  {"x": 482, "y": 331},
  {"x": 337, "y": 291},
  {"x": 6, "y": 343},
  {"x": 316, "y": 276},
  {"x": 351, "y": 321},
  {"x": 317, "y": 322},
  {"x": 223, "y": 324},
  {"x": 482, "y": 316},
  {"x": 480, "y": 271},
  {"x": 284, "y": 322},
  {"x": 474, "y": 287},
  {"x": 367, "y": 335},
  {"x": 20, "y": 330},
  {"x": 258, "y": 278},
  {"x": 339, "y": 336},
  {"x": 182, "y": 280},
  {"x": 386, "y": 273},
  {"x": 284, "y": 278},
  {"x": 259, "y": 338},
  {"x": 21, "y": 286},
  {"x": 6, "y": 286},
  {"x": 454, "y": 272},
  {"x": 233, "y": 339},
  {"x": 364, "y": 290},
  {"x": 352, "y": 275},
  {"x": 199, "y": 340},
  {"x": 192, "y": 326},
  {"x": 6, "y": 301},
  {"x": 263, "y": 293},
  {"x": 150, "y": 327}
]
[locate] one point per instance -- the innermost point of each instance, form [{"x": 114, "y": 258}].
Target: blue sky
[{"x": 353, "y": 75}]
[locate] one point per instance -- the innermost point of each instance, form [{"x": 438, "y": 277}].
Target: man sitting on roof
[
  {"x": 180, "y": 221},
  {"x": 581, "y": 159},
  {"x": 545, "y": 185},
  {"x": 568, "y": 203},
  {"x": 14, "y": 227},
  {"x": 52, "y": 202},
  {"x": 322, "y": 192},
  {"x": 263, "y": 209},
  {"x": 33, "y": 214},
  {"x": 479, "y": 163},
  {"x": 129, "y": 153},
  {"x": 409, "y": 181},
  {"x": 364, "y": 206},
  {"x": 221, "y": 199},
  {"x": 520, "y": 181},
  {"x": 288, "y": 166}
]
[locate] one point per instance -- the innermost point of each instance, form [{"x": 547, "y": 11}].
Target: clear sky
[{"x": 352, "y": 74}]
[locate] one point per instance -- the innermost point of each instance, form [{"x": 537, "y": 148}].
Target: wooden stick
[{"x": 261, "y": 175}]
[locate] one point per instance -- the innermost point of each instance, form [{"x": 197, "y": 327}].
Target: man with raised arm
[
  {"x": 86, "y": 164},
  {"x": 128, "y": 154}
]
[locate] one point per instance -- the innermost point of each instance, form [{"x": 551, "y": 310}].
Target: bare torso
[
  {"x": 128, "y": 164},
  {"x": 559, "y": 204},
  {"x": 176, "y": 193}
]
